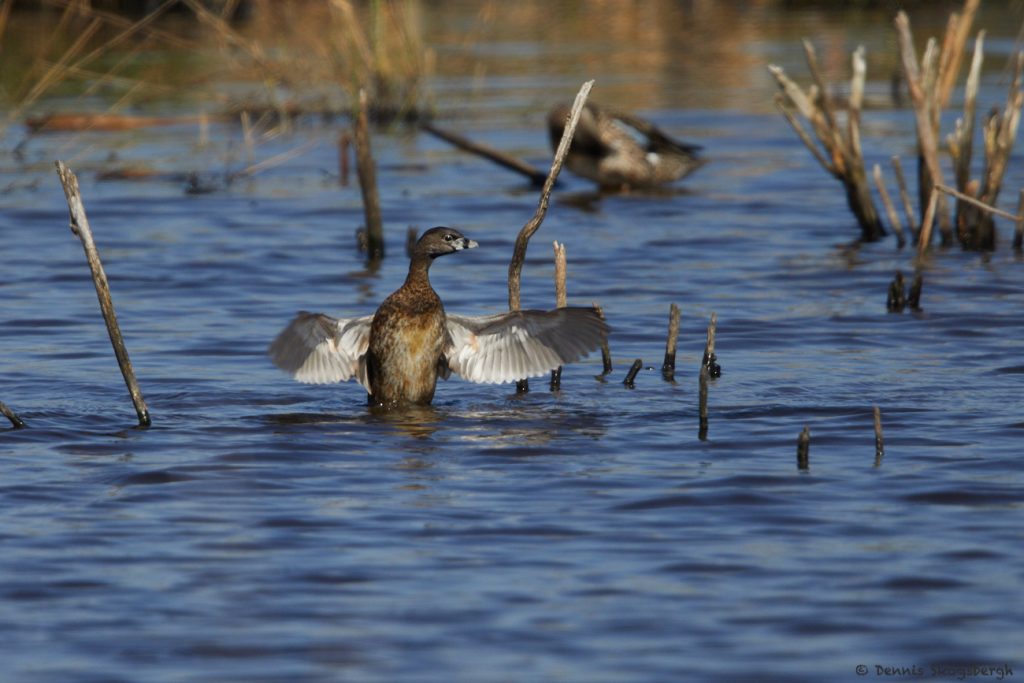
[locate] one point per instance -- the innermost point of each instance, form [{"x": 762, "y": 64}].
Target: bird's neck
[{"x": 419, "y": 271}]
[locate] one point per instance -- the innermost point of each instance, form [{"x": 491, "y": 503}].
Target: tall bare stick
[
  {"x": 515, "y": 267},
  {"x": 367, "y": 172},
  {"x": 561, "y": 301},
  {"x": 80, "y": 227}
]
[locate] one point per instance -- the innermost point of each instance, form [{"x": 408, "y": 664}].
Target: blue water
[{"x": 263, "y": 530}]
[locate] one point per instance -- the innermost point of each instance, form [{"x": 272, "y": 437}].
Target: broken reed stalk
[
  {"x": 16, "y": 421},
  {"x": 924, "y": 236},
  {"x": 668, "y": 368},
  {"x": 367, "y": 172},
  {"x": 838, "y": 149},
  {"x": 1000, "y": 134},
  {"x": 710, "y": 359},
  {"x": 606, "y": 354},
  {"x": 879, "y": 441},
  {"x": 561, "y": 301},
  {"x": 515, "y": 266},
  {"x": 633, "y": 370},
  {"x": 80, "y": 227},
  {"x": 930, "y": 84},
  {"x": 536, "y": 176},
  {"x": 976, "y": 202},
  {"x": 890, "y": 209},
  {"x": 702, "y": 404},
  {"x": 803, "y": 449},
  {"x": 908, "y": 206}
]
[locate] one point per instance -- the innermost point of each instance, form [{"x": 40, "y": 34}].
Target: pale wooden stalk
[
  {"x": 957, "y": 31},
  {"x": 974, "y": 201},
  {"x": 840, "y": 151},
  {"x": 80, "y": 227},
  {"x": 561, "y": 301},
  {"x": 890, "y": 209},
  {"x": 908, "y": 206},
  {"x": 515, "y": 266},
  {"x": 924, "y": 237},
  {"x": 923, "y": 107}
]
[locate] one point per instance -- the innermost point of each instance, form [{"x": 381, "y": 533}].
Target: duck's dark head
[{"x": 440, "y": 241}]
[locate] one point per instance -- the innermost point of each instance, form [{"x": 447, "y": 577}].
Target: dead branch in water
[
  {"x": 838, "y": 150},
  {"x": 668, "y": 368},
  {"x": 80, "y": 227},
  {"x": 16, "y": 421},
  {"x": 536, "y": 176},
  {"x": 515, "y": 266},
  {"x": 367, "y": 172}
]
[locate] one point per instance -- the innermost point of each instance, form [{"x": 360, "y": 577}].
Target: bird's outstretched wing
[
  {"x": 318, "y": 349},
  {"x": 520, "y": 344}
]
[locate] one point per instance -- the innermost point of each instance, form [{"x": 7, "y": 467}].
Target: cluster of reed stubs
[{"x": 930, "y": 82}]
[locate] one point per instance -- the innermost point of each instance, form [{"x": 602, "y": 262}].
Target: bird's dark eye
[{"x": 449, "y": 237}]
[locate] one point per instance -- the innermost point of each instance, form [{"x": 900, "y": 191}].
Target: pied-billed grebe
[
  {"x": 398, "y": 353},
  {"x": 618, "y": 150}
]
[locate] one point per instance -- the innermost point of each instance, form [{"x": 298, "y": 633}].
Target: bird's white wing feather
[
  {"x": 318, "y": 349},
  {"x": 520, "y": 344}
]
